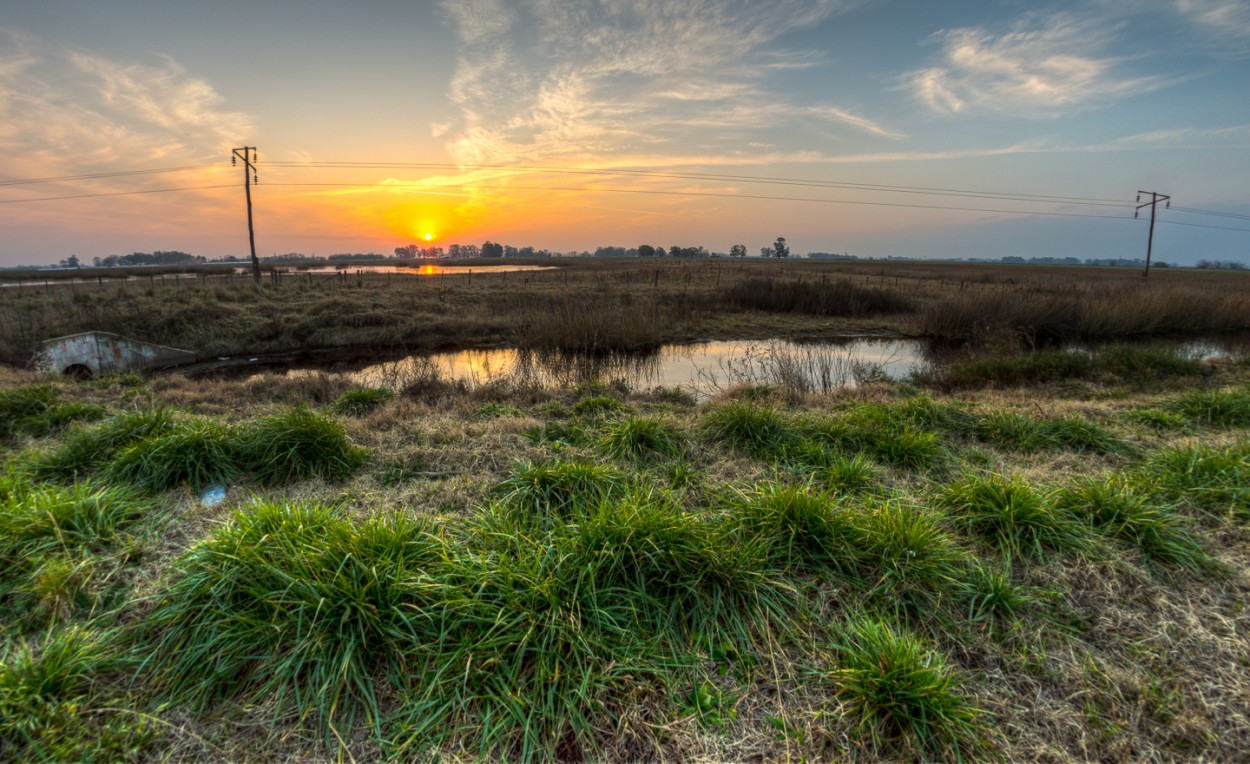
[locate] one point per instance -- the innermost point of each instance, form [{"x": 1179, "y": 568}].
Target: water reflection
[{"x": 702, "y": 369}]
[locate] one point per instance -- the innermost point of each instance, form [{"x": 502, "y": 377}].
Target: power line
[
  {"x": 762, "y": 197},
  {"x": 1212, "y": 212},
  {"x": 117, "y": 174},
  {"x": 1200, "y": 225},
  {"x": 110, "y": 193},
  {"x": 771, "y": 180}
]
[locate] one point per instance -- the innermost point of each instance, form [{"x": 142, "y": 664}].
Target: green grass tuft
[
  {"x": 639, "y": 439},
  {"x": 757, "y": 429},
  {"x": 36, "y": 410},
  {"x": 850, "y": 475},
  {"x": 295, "y": 606},
  {"x": 903, "y": 697},
  {"x": 297, "y": 444},
  {"x": 802, "y": 529},
  {"x": 361, "y": 401},
  {"x": 1115, "y": 508},
  {"x": 560, "y": 488},
  {"x": 1215, "y": 408},
  {"x": 1211, "y": 480},
  {"x": 911, "y": 565},
  {"x": 1011, "y": 517},
  {"x": 55, "y": 705},
  {"x": 195, "y": 452},
  {"x": 89, "y": 450}
]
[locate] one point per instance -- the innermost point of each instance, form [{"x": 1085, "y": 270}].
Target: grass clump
[
  {"x": 56, "y": 703},
  {"x": 293, "y": 605},
  {"x": 195, "y": 452},
  {"x": 903, "y": 697},
  {"x": 297, "y": 444},
  {"x": 36, "y": 410},
  {"x": 758, "y": 429},
  {"x": 849, "y": 475},
  {"x": 908, "y": 449},
  {"x": 802, "y": 529},
  {"x": 1215, "y": 408},
  {"x": 1011, "y": 517},
  {"x": 1115, "y": 508},
  {"x": 598, "y": 406},
  {"x": 560, "y": 488},
  {"x": 361, "y": 401},
  {"x": 89, "y": 450},
  {"x": 909, "y": 563},
  {"x": 641, "y": 439},
  {"x": 1214, "y": 481},
  {"x": 54, "y": 543},
  {"x": 993, "y": 599}
]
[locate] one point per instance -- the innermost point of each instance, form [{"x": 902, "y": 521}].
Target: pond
[
  {"x": 421, "y": 270},
  {"x": 702, "y": 369}
]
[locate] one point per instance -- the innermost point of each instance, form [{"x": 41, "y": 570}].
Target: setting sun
[{"x": 429, "y": 237}]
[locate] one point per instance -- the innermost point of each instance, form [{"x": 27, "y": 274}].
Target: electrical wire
[
  {"x": 117, "y": 174},
  {"x": 113, "y": 193},
  {"x": 758, "y": 197},
  {"x": 770, "y": 180}
]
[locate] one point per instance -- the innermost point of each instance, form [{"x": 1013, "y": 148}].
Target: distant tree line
[{"x": 147, "y": 258}]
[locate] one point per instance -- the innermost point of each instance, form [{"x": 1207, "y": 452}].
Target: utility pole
[
  {"x": 249, "y": 179},
  {"x": 1155, "y": 198}
]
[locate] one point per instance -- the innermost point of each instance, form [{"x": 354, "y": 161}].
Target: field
[
  {"x": 1016, "y": 556},
  {"x": 627, "y": 304}
]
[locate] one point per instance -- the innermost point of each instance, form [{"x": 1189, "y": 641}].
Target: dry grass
[{"x": 633, "y": 303}]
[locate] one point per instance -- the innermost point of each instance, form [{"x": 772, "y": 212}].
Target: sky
[{"x": 870, "y": 127}]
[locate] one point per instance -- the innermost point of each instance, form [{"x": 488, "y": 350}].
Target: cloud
[
  {"x": 1043, "y": 66},
  {"x": 1226, "y": 19},
  {"x": 1188, "y": 136},
  {"x": 73, "y": 112},
  {"x": 551, "y": 81}
]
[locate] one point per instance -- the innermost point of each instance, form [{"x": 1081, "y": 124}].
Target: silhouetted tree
[
  {"x": 779, "y": 247},
  {"x": 738, "y": 250},
  {"x": 646, "y": 250}
]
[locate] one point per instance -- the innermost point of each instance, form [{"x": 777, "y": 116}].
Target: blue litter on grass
[{"x": 213, "y": 495}]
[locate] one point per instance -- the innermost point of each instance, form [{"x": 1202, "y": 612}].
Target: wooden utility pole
[
  {"x": 249, "y": 179},
  {"x": 1155, "y": 198}
]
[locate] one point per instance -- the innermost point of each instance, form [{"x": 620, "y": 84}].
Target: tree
[
  {"x": 70, "y": 262},
  {"x": 738, "y": 250},
  {"x": 766, "y": 251},
  {"x": 490, "y": 249},
  {"x": 779, "y": 247}
]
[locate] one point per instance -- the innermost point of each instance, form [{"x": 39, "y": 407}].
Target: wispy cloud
[
  {"x": 550, "y": 81},
  {"x": 65, "y": 111},
  {"x": 1189, "y": 136},
  {"x": 1042, "y": 66},
  {"x": 1223, "y": 18}
]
